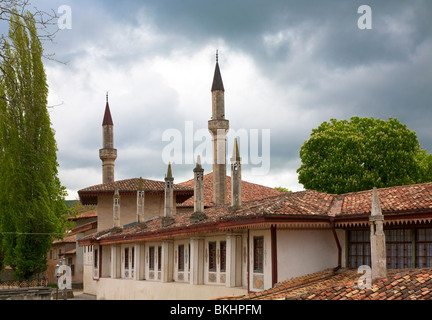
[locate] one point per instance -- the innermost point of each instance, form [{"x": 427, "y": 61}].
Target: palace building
[{"x": 216, "y": 235}]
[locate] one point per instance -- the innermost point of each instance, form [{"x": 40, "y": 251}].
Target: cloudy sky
[{"x": 287, "y": 66}]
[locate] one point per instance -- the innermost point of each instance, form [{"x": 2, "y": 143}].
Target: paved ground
[{"x": 79, "y": 295}]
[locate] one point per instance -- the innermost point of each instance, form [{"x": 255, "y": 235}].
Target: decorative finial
[
  {"x": 217, "y": 56},
  {"x": 107, "y": 97}
]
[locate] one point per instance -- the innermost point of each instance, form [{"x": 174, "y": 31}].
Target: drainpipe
[
  {"x": 248, "y": 261},
  {"x": 339, "y": 266},
  {"x": 274, "y": 255}
]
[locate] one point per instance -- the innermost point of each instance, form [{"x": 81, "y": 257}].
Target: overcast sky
[{"x": 287, "y": 66}]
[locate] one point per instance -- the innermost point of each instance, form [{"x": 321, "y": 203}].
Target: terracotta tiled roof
[
  {"x": 89, "y": 195},
  {"x": 85, "y": 215},
  {"x": 304, "y": 206},
  {"x": 407, "y": 284},
  {"x": 66, "y": 239},
  {"x": 250, "y": 191},
  {"x": 131, "y": 185},
  {"x": 411, "y": 198}
]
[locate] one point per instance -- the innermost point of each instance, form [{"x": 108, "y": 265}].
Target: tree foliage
[
  {"x": 347, "y": 156},
  {"x": 32, "y": 207}
]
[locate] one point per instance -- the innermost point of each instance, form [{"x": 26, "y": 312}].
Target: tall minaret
[
  {"x": 218, "y": 127},
  {"x": 108, "y": 154}
]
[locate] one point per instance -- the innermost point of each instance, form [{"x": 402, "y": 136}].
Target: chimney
[
  {"x": 377, "y": 239},
  {"x": 169, "y": 198},
  {"x": 116, "y": 208},
  {"x": 198, "y": 214},
  {"x": 236, "y": 200},
  {"x": 140, "y": 202}
]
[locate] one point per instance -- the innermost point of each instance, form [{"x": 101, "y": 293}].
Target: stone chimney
[
  {"x": 377, "y": 239},
  {"x": 116, "y": 208},
  {"x": 198, "y": 214},
  {"x": 140, "y": 202},
  {"x": 236, "y": 200},
  {"x": 169, "y": 198}
]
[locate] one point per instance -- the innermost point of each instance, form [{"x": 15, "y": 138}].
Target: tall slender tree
[{"x": 32, "y": 207}]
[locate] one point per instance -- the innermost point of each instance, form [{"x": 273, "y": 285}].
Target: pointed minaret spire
[
  {"x": 217, "y": 79},
  {"x": 218, "y": 127},
  {"x": 107, "y": 120},
  {"x": 107, "y": 154},
  {"x": 236, "y": 201}
]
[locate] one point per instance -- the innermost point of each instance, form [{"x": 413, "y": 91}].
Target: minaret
[
  {"x": 108, "y": 154},
  {"x": 218, "y": 127},
  {"x": 236, "y": 201}
]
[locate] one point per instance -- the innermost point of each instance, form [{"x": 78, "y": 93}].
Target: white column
[
  {"x": 167, "y": 260},
  {"x": 234, "y": 260},
  {"x": 197, "y": 261}
]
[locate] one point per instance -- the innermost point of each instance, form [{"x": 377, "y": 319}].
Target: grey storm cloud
[{"x": 287, "y": 66}]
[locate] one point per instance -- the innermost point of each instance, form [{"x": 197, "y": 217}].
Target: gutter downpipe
[{"x": 339, "y": 266}]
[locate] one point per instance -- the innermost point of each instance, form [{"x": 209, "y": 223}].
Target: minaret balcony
[
  {"x": 108, "y": 154},
  {"x": 215, "y": 125}
]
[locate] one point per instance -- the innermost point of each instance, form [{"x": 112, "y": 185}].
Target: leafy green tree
[
  {"x": 32, "y": 206},
  {"x": 348, "y": 156},
  {"x": 425, "y": 166}
]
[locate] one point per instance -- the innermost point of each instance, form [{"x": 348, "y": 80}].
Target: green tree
[
  {"x": 348, "y": 156},
  {"x": 32, "y": 206}
]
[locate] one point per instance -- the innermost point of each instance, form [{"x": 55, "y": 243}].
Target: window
[
  {"x": 359, "y": 248},
  {"x": 212, "y": 256},
  {"x": 151, "y": 258},
  {"x": 181, "y": 261},
  {"x": 399, "y": 248},
  {"x": 189, "y": 257},
  {"x": 159, "y": 258},
  {"x": 126, "y": 258},
  {"x": 95, "y": 260},
  {"x": 258, "y": 254},
  {"x": 223, "y": 256},
  {"x": 132, "y": 257},
  {"x": 424, "y": 248}
]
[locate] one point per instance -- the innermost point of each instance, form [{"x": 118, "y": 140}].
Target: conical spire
[
  {"x": 198, "y": 163},
  {"x": 236, "y": 153},
  {"x": 169, "y": 173},
  {"x": 217, "y": 80},
  {"x": 107, "y": 120}
]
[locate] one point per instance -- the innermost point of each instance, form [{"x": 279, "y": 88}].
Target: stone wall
[{"x": 42, "y": 293}]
